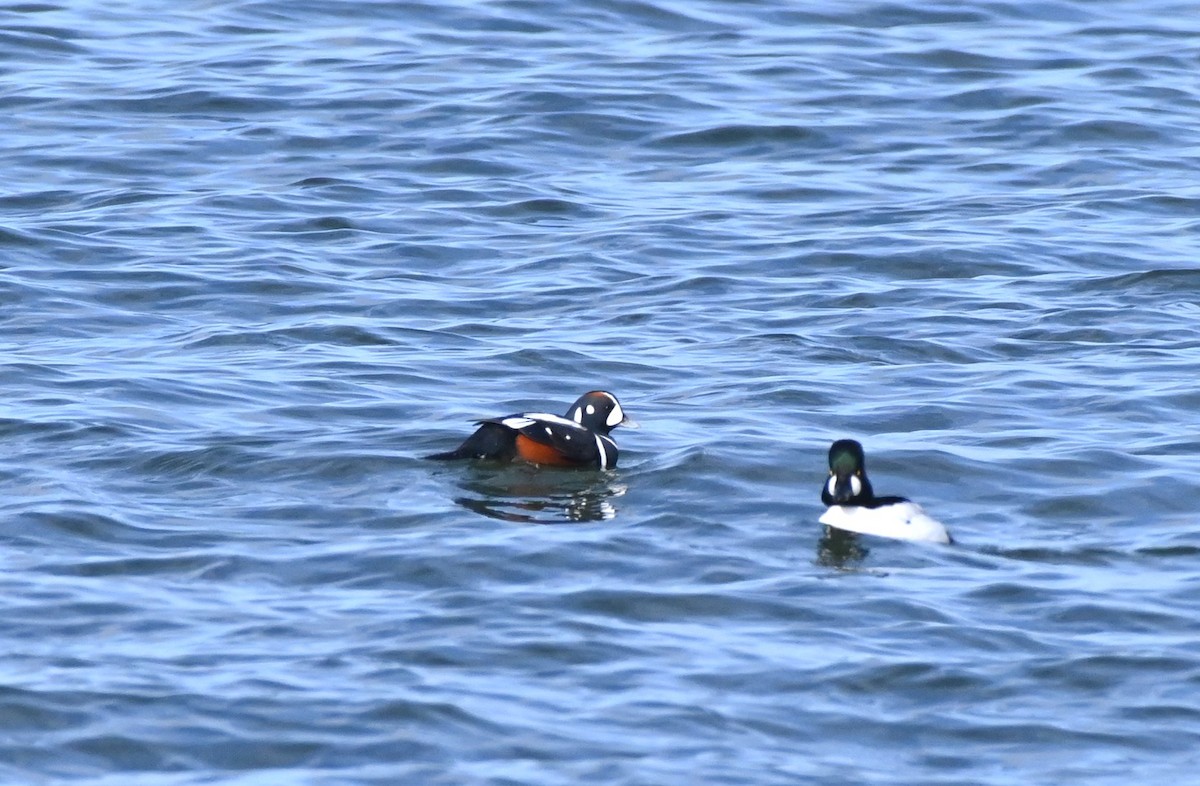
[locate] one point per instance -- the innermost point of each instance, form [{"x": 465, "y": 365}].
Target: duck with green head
[{"x": 852, "y": 504}]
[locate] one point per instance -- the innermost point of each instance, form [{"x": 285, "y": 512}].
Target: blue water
[{"x": 258, "y": 258}]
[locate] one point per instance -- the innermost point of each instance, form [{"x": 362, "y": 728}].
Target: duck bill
[
  {"x": 629, "y": 422},
  {"x": 845, "y": 488}
]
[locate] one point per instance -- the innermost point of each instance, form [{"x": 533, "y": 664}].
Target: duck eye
[{"x": 858, "y": 473}]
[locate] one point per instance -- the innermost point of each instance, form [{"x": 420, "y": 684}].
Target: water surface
[{"x": 258, "y": 258}]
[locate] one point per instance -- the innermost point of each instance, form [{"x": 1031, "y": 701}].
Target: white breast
[{"x": 904, "y": 520}]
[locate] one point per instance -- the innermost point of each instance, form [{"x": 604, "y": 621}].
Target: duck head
[
  {"x": 599, "y": 411},
  {"x": 847, "y": 483}
]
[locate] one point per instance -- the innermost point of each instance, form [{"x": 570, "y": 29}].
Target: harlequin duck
[
  {"x": 580, "y": 439},
  {"x": 854, "y": 507}
]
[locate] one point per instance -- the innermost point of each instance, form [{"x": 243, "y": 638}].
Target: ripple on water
[{"x": 262, "y": 258}]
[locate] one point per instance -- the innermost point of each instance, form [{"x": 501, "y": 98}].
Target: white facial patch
[
  {"x": 616, "y": 416},
  {"x": 591, "y": 409},
  {"x": 578, "y": 414},
  {"x": 855, "y": 485}
]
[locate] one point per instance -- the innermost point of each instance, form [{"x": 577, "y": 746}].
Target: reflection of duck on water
[
  {"x": 580, "y": 439},
  {"x": 544, "y": 498},
  {"x": 840, "y": 549}
]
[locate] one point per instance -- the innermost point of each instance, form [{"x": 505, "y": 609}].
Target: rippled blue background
[{"x": 257, "y": 258}]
